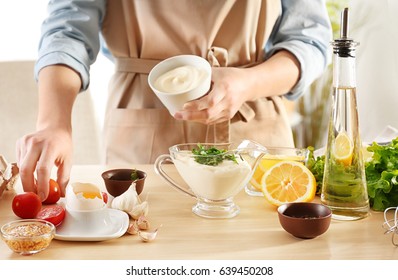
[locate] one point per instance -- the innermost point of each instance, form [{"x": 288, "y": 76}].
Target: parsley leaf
[
  {"x": 317, "y": 166},
  {"x": 211, "y": 156}
]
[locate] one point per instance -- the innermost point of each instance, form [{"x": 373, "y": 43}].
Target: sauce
[
  {"x": 213, "y": 182},
  {"x": 180, "y": 79}
]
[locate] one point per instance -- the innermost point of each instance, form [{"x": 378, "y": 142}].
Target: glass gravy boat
[{"x": 214, "y": 173}]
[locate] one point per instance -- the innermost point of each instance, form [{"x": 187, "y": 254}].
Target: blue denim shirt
[{"x": 71, "y": 36}]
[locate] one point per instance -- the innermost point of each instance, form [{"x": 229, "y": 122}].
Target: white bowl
[{"x": 175, "y": 101}]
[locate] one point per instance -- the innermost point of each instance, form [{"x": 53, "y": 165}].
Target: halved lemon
[
  {"x": 288, "y": 181},
  {"x": 343, "y": 148},
  {"x": 266, "y": 163}
]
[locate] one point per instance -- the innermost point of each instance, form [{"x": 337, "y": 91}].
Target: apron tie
[
  {"x": 217, "y": 57},
  {"x": 135, "y": 64}
]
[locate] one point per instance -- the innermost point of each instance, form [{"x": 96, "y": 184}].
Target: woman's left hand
[{"x": 224, "y": 99}]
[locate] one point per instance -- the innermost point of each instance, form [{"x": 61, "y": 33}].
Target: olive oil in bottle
[{"x": 344, "y": 188}]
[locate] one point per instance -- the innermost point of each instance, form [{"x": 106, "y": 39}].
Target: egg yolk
[{"x": 91, "y": 195}]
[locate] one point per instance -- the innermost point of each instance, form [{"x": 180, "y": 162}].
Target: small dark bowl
[
  {"x": 305, "y": 219},
  {"x": 117, "y": 181}
]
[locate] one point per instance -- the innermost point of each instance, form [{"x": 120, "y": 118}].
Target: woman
[{"x": 260, "y": 51}]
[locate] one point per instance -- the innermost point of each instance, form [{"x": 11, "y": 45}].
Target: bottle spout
[{"x": 344, "y": 25}]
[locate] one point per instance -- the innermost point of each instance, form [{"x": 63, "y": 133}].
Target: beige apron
[{"x": 140, "y": 33}]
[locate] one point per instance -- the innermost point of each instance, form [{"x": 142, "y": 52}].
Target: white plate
[{"x": 119, "y": 222}]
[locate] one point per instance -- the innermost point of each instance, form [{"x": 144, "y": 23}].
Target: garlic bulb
[{"x": 130, "y": 203}]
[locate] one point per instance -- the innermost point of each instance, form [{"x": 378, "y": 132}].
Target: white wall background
[
  {"x": 20, "y": 23},
  {"x": 374, "y": 24},
  {"x": 20, "y": 28}
]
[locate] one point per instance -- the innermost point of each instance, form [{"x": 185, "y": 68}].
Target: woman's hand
[
  {"x": 223, "y": 100},
  {"x": 40, "y": 152}
]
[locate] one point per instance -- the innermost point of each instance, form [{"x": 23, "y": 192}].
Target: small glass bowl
[{"x": 29, "y": 236}]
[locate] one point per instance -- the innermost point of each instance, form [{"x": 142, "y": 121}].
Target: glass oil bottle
[{"x": 344, "y": 187}]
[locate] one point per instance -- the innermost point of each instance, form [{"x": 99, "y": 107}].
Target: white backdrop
[
  {"x": 20, "y": 28},
  {"x": 374, "y": 24}
]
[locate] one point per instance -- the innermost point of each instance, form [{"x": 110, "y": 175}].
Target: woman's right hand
[{"x": 38, "y": 153}]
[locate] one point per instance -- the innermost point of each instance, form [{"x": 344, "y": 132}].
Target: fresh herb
[
  {"x": 317, "y": 166},
  {"x": 212, "y": 156},
  {"x": 381, "y": 174},
  {"x": 134, "y": 175}
]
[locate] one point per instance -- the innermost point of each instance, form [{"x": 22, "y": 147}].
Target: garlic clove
[
  {"x": 133, "y": 228},
  {"x": 143, "y": 223},
  {"x": 139, "y": 210},
  {"x": 147, "y": 236}
]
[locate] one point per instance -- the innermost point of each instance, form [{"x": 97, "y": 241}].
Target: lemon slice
[
  {"x": 343, "y": 148},
  {"x": 288, "y": 181}
]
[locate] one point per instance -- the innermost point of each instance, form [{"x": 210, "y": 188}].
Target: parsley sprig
[
  {"x": 212, "y": 156},
  {"x": 134, "y": 175}
]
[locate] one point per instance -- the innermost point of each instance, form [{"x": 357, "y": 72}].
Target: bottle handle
[{"x": 158, "y": 166}]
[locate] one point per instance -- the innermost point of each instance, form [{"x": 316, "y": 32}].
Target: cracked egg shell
[{"x": 84, "y": 196}]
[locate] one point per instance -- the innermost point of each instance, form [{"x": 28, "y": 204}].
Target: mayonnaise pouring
[{"x": 180, "y": 79}]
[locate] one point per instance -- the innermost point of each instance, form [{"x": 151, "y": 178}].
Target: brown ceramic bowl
[
  {"x": 117, "y": 181},
  {"x": 305, "y": 219}
]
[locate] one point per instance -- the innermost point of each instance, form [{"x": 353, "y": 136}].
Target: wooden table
[{"x": 254, "y": 234}]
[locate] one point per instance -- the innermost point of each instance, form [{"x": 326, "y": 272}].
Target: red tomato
[
  {"x": 54, "y": 193},
  {"x": 26, "y": 205},
  {"x": 105, "y": 197},
  {"x": 54, "y": 214}
]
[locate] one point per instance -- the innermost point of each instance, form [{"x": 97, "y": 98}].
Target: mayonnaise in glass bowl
[{"x": 213, "y": 172}]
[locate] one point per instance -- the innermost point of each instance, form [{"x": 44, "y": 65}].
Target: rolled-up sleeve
[
  {"x": 304, "y": 29},
  {"x": 70, "y": 36}
]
